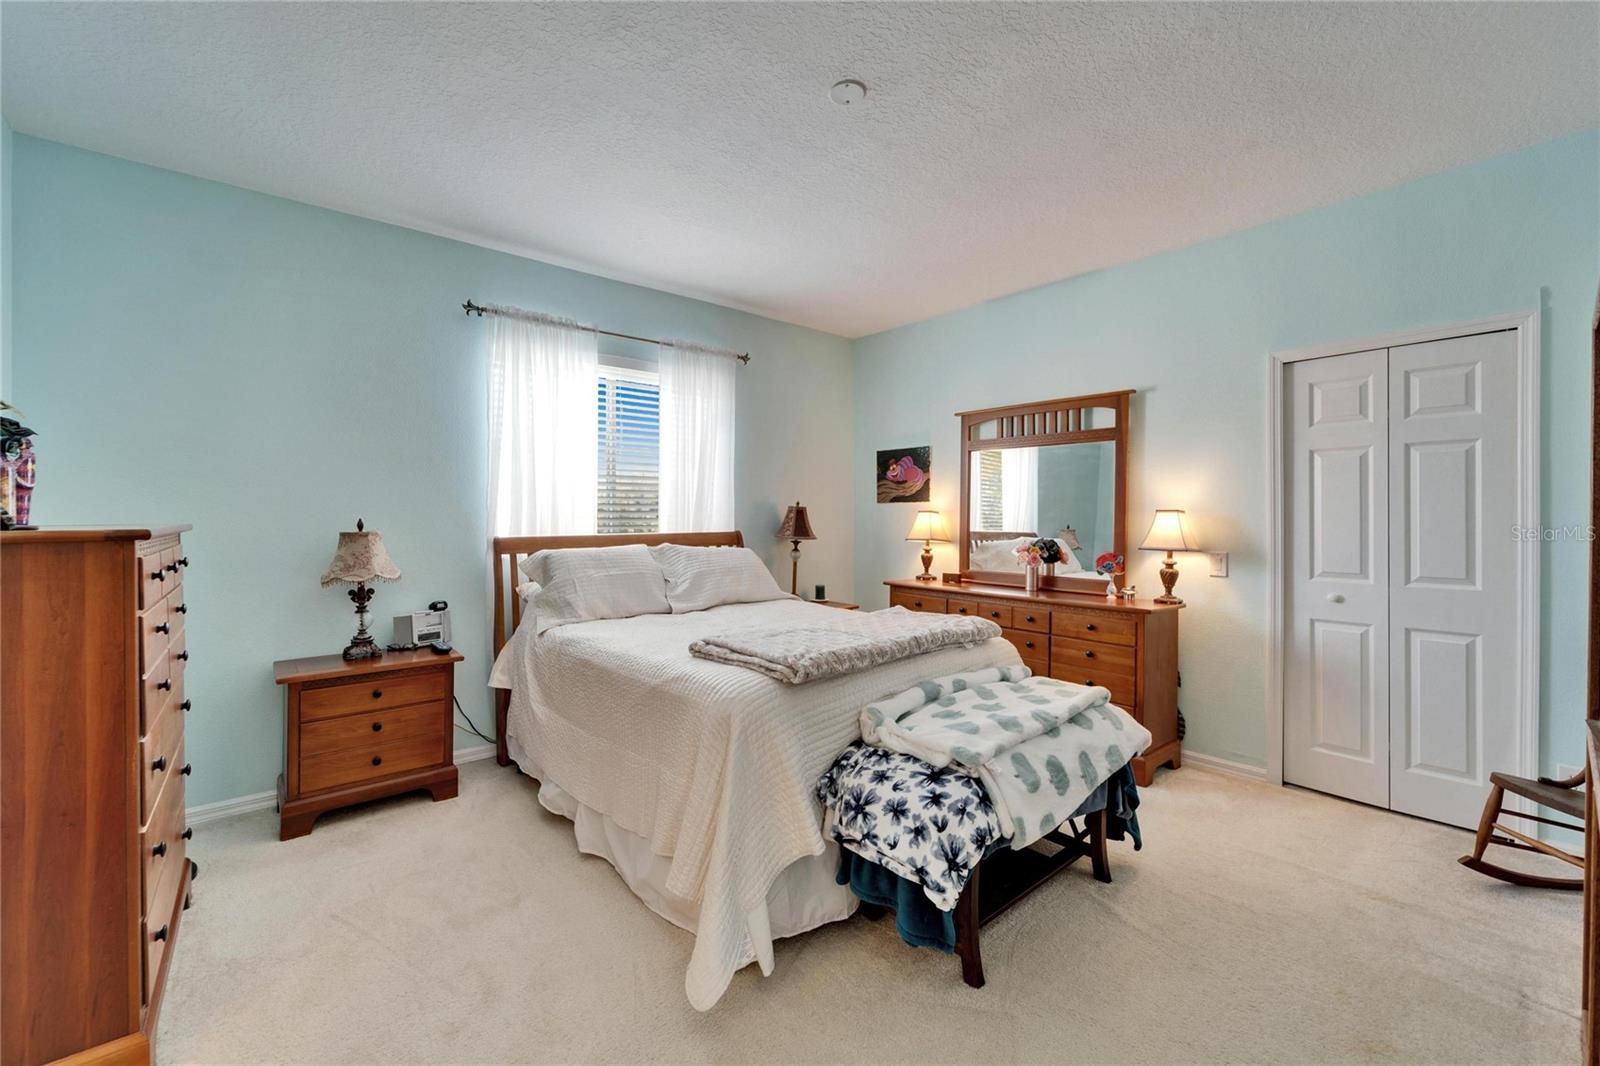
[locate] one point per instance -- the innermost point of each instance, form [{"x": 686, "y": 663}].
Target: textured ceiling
[{"x": 693, "y": 148}]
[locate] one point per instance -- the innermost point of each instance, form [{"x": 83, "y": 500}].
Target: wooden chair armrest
[{"x": 1571, "y": 782}]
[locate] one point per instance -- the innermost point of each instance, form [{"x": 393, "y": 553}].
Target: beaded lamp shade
[{"x": 796, "y": 525}]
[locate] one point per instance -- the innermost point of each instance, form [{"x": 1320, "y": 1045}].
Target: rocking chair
[{"x": 1563, "y": 796}]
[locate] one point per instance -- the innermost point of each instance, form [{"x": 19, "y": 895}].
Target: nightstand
[
  {"x": 358, "y": 731},
  {"x": 843, "y": 606}
]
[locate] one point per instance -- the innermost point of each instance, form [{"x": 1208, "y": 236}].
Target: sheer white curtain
[
  {"x": 1019, "y": 489},
  {"x": 697, "y": 394},
  {"x": 542, "y": 435}
]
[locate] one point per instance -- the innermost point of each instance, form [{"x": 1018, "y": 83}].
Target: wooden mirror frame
[{"x": 1036, "y": 425}]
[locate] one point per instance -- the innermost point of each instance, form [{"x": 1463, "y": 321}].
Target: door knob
[{"x": 1334, "y": 597}]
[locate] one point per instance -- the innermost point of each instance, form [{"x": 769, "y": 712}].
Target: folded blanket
[
  {"x": 1040, "y": 746},
  {"x": 850, "y": 643}
]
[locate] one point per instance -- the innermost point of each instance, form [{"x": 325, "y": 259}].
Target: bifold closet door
[
  {"x": 1336, "y": 646},
  {"x": 1452, "y": 590}
]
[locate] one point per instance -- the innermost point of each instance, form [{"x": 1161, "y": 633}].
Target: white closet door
[
  {"x": 1336, "y": 662},
  {"x": 1452, "y": 607}
]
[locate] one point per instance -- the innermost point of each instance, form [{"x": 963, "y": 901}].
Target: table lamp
[
  {"x": 796, "y": 527},
  {"x": 1169, "y": 533},
  {"x": 360, "y": 557},
  {"x": 928, "y": 527}
]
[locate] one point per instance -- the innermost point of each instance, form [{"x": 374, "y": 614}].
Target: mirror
[
  {"x": 1061, "y": 492},
  {"x": 1050, "y": 470}
]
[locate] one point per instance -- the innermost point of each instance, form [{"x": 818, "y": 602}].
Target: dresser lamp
[
  {"x": 1170, "y": 533},
  {"x": 928, "y": 527},
  {"x": 359, "y": 558},
  {"x": 796, "y": 527}
]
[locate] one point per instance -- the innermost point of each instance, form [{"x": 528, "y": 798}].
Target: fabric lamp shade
[
  {"x": 796, "y": 525},
  {"x": 360, "y": 557},
  {"x": 929, "y": 525},
  {"x": 1170, "y": 532}
]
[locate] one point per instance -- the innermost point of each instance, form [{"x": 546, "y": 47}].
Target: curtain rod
[{"x": 471, "y": 308}]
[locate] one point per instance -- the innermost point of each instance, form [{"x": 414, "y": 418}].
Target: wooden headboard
[{"x": 510, "y": 551}]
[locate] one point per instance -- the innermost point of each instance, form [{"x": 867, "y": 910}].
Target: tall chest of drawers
[
  {"x": 1129, "y": 648},
  {"x": 93, "y": 838}
]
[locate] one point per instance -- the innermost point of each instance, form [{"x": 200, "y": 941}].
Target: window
[
  {"x": 628, "y": 404},
  {"x": 989, "y": 507}
]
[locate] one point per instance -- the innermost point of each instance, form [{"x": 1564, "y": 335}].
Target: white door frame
[{"x": 1526, "y": 324}]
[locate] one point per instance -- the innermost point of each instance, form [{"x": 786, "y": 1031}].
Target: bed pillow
[
  {"x": 583, "y": 584},
  {"x": 698, "y": 578}
]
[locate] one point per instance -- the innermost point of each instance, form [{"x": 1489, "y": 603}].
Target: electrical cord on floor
[{"x": 471, "y": 725}]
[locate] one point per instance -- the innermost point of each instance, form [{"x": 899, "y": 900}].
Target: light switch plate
[{"x": 1219, "y": 563}]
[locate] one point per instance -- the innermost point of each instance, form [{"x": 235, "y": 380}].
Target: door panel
[
  {"x": 1336, "y": 666},
  {"x": 1453, "y": 481}
]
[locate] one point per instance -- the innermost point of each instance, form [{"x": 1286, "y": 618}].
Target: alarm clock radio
[{"x": 424, "y": 627}]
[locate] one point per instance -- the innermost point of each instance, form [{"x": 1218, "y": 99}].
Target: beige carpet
[{"x": 1258, "y": 925}]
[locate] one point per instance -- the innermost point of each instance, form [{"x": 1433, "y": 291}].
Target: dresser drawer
[
  {"x": 916, "y": 601},
  {"x": 964, "y": 607},
  {"x": 364, "y": 730},
  {"x": 173, "y": 571},
  {"x": 157, "y": 689},
  {"x": 156, "y": 928},
  {"x": 153, "y": 576},
  {"x": 1037, "y": 667},
  {"x": 351, "y": 766},
  {"x": 1093, "y": 625},
  {"x": 371, "y": 694},
  {"x": 1035, "y": 619},
  {"x": 1119, "y": 685},
  {"x": 997, "y": 613},
  {"x": 1092, "y": 655},
  {"x": 1029, "y": 645},
  {"x": 160, "y": 758},
  {"x": 162, "y": 842},
  {"x": 155, "y": 627}
]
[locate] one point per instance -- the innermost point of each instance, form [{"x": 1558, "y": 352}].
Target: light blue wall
[
  {"x": 1191, "y": 330},
  {"x": 5, "y": 258},
  {"x": 268, "y": 371}
]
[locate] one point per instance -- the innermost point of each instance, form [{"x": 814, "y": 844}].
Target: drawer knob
[
  {"x": 158, "y": 576},
  {"x": 1029, "y": 618},
  {"x": 1088, "y": 655},
  {"x": 165, "y": 686},
  {"x": 188, "y": 768},
  {"x": 377, "y": 693},
  {"x": 917, "y": 604},
  {"x": 184, "y": 561},
  {"x": 1088, "y": 681},
  {"x": 994, "y": 614},
  {"x": 172, "y": 568},
  {"x": 1089, "y": 627},
  {"x": 377, "y": 760},
  {"x": 160, "y": 764},
  {"x": 961, "y": 610},
  {"x": 159, "y": 850},
  {"x": 188, "y": 834},
  {"x": 186, "y": 704},
  {"x": 159, "y": 934},
  {"x": 183, "y": 608},
  {"x": 1027, "y": 644},
  {"x": 377, "y": 727},
  {"x": 184, "y": 656},
  {"x": 163, "y": 628}
]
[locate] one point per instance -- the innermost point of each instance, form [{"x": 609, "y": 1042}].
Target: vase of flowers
[{"x": 1030, "y": 557}]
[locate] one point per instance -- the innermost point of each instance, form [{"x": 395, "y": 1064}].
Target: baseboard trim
[
  {"x": 215, "y": 812},
  {"x": 1225, "y": 766}
]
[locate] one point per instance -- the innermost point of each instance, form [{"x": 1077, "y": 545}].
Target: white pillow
[
  {"x": 698, "y": 578},
  {"x": 583, "y": 584}
]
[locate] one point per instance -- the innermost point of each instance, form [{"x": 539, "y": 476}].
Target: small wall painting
[{"x": 903, "y": 475}]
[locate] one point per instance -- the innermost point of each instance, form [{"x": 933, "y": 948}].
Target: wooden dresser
[
  {"x": 1128, "y": 648},
  {"x": 93, "y": 838},
  {"x": 360, "y": 730}
]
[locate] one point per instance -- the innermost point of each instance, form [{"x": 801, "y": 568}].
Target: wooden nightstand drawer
[
  {"x": 1091, "y": 655},
  {"x": 916, "y": 601},
  {"x": 365, "y": 730},
  {"x": 1029, "y": 645},
  {"x": 374, "y": 760},
  {"x": 1102, "y": 626},
  {"x": 372, "y": 693}
]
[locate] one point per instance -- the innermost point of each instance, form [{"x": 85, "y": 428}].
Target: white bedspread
[{"x": 715, "y": 765}]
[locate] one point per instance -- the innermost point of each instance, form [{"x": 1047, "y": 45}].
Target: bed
[{"x": 695, "y": 779}]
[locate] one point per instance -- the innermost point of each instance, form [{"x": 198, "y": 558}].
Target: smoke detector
[{"x": 848, "y": 92}]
